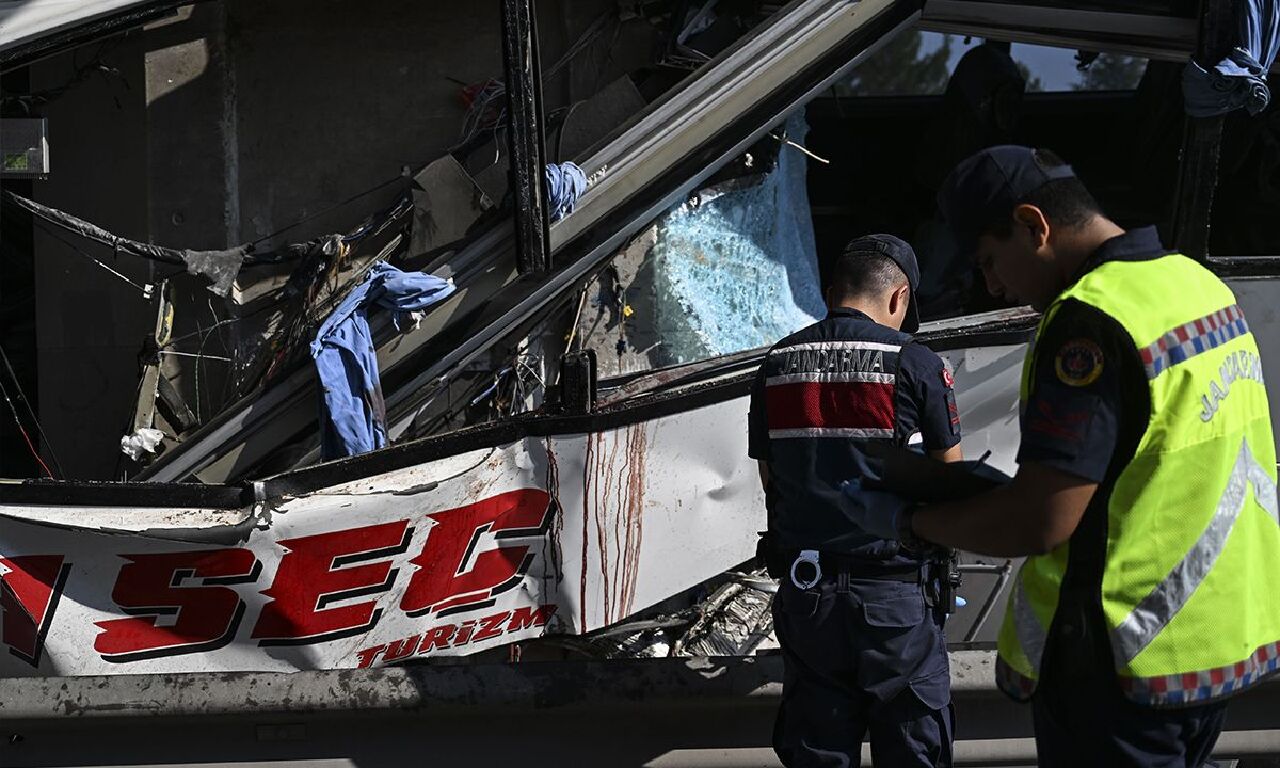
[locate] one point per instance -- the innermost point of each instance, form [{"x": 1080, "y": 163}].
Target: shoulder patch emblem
[
  {"x": 947, "y": 378},
  {"x": 1079, "y": 362}
]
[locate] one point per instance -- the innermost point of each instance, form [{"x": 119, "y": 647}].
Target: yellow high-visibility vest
[{"x": 1192, "y": 570}]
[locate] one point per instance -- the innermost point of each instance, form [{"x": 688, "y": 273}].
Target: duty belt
[{"x": 807, "y": 567}]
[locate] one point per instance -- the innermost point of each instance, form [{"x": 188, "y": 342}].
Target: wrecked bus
[{"x": 567, "y": 473}]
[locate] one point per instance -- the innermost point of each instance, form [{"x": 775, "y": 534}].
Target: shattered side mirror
[{"x": 578, "y": 382}]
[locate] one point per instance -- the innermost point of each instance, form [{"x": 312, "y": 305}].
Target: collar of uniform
[
  {"x": 847, "y": 312},
  {"x": 1138, "y": 244}
]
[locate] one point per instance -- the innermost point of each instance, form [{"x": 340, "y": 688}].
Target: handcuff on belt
[{"x": 808, "y": 558}]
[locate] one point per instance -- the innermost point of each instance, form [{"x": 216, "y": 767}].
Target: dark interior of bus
[{"x": 889, "y": 154}]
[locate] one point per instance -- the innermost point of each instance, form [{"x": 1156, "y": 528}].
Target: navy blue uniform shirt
[
  {"x": 820, "y": 396},
  {"x": 1089, "y": 404}
]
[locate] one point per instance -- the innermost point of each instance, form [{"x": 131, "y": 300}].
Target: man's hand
[
  {"x": 1032, "y": 515},
  {"x": 876, "y": 512}
]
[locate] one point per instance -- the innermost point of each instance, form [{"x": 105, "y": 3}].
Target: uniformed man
[
  {"x": 863, "y": 647},
  {"x": 1145, "y": 495}
]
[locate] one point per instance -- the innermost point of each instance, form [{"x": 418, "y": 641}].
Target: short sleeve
[
  {"x": 757, "y": 423},
  {"x": 932, "y": 396},
  {"x": 1071, "y": 417}
]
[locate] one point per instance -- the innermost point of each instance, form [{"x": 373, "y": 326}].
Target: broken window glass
[{"x": 732, "y": 267}]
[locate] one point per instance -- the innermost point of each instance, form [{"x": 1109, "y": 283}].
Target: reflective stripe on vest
[
  {"x": 1193, "y": 533},
  {"x": 1155, "y": 611}
]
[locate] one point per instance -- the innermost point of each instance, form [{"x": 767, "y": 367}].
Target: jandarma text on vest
[{"x": 1238, "y": 365}]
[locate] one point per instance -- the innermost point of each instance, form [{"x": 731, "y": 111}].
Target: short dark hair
[
  {"x": 1064, "y": 202},
  {"x": 861, "y": 273}
]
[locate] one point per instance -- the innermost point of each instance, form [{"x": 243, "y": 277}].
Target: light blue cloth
[
  {"x": 565, "y": 184},
  {"x": 352, "y": 415},
  {"x": 1240, "y": 79}
]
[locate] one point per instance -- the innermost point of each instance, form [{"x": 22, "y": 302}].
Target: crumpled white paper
[{"x": 143, "y": 441}]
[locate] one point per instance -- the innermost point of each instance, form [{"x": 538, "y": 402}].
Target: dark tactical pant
[
  {"x": 1082, "y": 718},
  {"x": 862, "y": 658}
]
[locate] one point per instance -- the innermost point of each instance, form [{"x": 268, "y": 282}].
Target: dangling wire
[
  {"x": 146, "y": 289},
  {"x": 219, "y": 358},
  {"x": 31, "y": 411},
  {"x": 97, "y": 66},
  {"x": 30, "y": 446},
  {"x": 328, "y": 209}
]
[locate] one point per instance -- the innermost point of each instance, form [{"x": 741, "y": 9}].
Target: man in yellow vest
[{"x": 1145, "y": 497}]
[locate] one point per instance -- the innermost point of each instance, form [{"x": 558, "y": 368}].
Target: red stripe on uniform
[{"x": 830, "y": 405}]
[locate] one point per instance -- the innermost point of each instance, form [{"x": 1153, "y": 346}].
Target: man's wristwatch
[{"x": 906, "y": 536}]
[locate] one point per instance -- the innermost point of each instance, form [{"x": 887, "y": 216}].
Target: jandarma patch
[{"x": 1079, "y": 363}]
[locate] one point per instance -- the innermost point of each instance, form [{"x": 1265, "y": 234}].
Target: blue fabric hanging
[
  {"x": 352, "y": 414},
  {"x": 565, "y": 184},
  {"x": 1239, "y": 80}
]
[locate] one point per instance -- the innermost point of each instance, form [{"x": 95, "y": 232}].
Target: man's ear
[
  {"x": 1033, "y": 220},
  {"x": 898, "y": 299}
]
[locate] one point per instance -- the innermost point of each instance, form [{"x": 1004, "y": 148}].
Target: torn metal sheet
[
  {"x": 735, "y": 620},
  {"x": 564, "y": 534},
  {"x": 144, "y": 415},
  {"x": 446, "y": 203},
  {"x": 103, "y": 517}
]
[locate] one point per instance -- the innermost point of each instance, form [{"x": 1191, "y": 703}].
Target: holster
[{"x": 946, "y": 575}]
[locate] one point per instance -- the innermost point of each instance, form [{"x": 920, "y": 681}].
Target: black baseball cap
[
  {"x": 900, "y": 251},
  {"x": 985, "y": 187}
]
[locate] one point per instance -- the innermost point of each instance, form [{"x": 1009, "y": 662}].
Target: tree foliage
[
  {"x": 1034, "y": 83},
  {"x": 1112, "y": 72},
  {"x": 902, "y": 68}
]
